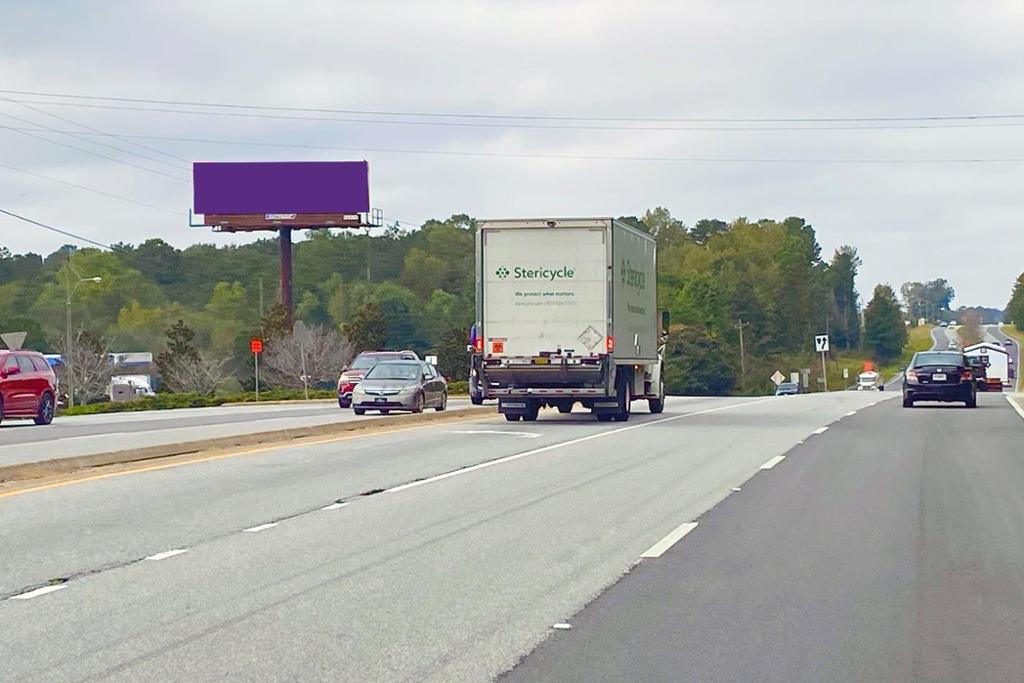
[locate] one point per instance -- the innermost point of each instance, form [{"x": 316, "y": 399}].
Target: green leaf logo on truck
[
  {"x": 632, "y": 277},
  {"x": 550, "y": 274}
]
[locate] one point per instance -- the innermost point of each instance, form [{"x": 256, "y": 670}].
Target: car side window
[
  {"x": 12, "y": 362},
  {"x": 40, "y": 363},
  {"x": 26, "y": 364}
]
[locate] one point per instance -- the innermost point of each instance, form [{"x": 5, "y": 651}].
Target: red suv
[{"x": 28, "y": 387}]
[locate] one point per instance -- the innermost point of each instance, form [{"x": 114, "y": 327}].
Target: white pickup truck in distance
[{"x": 567, "y": 313}]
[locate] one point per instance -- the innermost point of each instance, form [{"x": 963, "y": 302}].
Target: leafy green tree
[
  {"x": 885, "y": 333},
  {"x": 1015, "y": 307},
  {"x": 843, "y": 273},
  {"x": 452, "y": 357},
  {"x": 368, "y": 331},
  {"x": 696, "y": 364},
  {"x": 706, "y": 228}
]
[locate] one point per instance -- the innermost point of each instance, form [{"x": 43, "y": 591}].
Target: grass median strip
[{"x": 27, "y": 477}]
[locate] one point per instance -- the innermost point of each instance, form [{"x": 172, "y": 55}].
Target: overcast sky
[{"x": 584, "y": 58}]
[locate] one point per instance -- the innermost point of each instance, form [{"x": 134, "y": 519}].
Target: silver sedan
[{"x": 400, "y": 385}]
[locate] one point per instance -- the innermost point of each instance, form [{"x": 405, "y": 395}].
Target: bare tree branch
[{"x": 310, "y": 355}]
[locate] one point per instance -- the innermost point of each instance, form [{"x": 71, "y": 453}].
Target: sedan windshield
[
  {"x": 937, "y": 358},
  {"x": 394, "y": 371}
]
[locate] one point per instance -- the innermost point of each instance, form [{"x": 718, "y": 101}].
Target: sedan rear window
[
  {"x": 394, "y": 371},
  {"x": 937, "y": 358},
  {"x": 366, "y": 362}
]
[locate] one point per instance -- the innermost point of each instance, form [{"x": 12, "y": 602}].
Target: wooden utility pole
[{"x": 743, "y": 357}]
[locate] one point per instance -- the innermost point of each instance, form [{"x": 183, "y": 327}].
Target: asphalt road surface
[
  {"x": 840, "y": 537},
  {"x": 22, "y": 441}
]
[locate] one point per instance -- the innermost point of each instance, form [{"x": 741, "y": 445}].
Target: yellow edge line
[{"x": 251, "y": 451}]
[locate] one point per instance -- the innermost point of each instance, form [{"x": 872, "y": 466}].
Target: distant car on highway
[
  {"x": 870, "y": 381},
  {"x": 1007, "y": 342},
  {"x": 28, "y": 386},
  {"x": 939, "y": 376},
  {"x": 353, "y": 373},
  {"x": 787, "y": 389},
  {"x": 943, "y": 324},
  {"x": 405, "y": 385}
]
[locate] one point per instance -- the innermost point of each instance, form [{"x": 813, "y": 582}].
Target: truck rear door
[{"x": 545, "y": 290}]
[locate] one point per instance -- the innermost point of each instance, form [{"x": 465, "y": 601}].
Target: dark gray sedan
[{"x": 400, "y": 385}]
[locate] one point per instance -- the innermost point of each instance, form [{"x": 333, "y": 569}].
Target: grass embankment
[
  {"x": 1011, "y": 331},
  {"x": 172, "y": 401},
  {"x": 918, "y": 339}
]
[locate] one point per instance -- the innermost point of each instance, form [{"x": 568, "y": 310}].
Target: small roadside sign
[
  {"x": 846, "y": 373},
  {"x": 821, "y": 343},
  {"x": 13, "y": 340},
  {"x": 777, "y": 378},
  {"x": 794, "y": 377},
  {"x": 256, "y": 345}
]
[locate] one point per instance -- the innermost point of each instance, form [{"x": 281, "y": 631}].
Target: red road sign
[{"x": 256, "y": 345}]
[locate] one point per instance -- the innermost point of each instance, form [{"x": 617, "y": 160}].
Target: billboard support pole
[{"x": 285, "y": 242}]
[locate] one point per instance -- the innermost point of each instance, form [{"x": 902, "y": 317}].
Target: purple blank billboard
[{"x": 281, "y": 187}]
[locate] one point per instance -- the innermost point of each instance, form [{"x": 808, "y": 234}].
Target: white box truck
[{"x": 567, "y": 313}]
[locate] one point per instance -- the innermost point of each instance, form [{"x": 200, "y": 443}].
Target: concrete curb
[{"x": 59, "y": 466}]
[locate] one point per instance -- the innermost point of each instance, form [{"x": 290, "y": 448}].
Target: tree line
[{"x": 415, "y": 289}]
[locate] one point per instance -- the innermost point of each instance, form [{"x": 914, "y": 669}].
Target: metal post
[
  {"x": 305, "y": 379},
  {"x": 824, "y": 373},
  {"x": 256, "y": 360},
  {"x": 68, "y": 363},
  {"x": 285, "y": 242}
]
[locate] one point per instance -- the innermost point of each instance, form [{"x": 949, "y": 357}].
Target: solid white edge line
[
  {"x": 673, "y": 537},
  {"x": 261, "y": 527},
  {"x": 773, "y": 462},
  {"x": 166, "y": 554},
  {"x": 1016, "y": 406},
  {"x": 38, "y": 591},
  {"x": 820, "y": 430},
  {"x": 572, "y": 442},
  {"x": 334, "y": 506}
]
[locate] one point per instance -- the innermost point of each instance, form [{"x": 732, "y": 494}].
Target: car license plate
[
  {"x": 939, "y": 377},
  {"x": 380, "y": 400}
]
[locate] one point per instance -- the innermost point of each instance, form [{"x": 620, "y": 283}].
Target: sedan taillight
[{"x": 966, "y": 374}]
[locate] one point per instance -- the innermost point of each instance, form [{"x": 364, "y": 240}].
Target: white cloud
[{"x": 729, "y": 59}]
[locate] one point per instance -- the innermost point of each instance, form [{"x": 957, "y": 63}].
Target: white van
[{"x": 870, "y": 381}]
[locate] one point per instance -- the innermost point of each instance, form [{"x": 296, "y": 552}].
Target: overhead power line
[
  {"x": 78, "y": 136},
  {"x": 584, "y": 157},
  {"x": 525, "y": 117},
  {"x": 28, "y": 133},
  {"x": 527, "y": 126},
  {"x": 93, "y": 190},
  {"x": 66, "y": 233}
]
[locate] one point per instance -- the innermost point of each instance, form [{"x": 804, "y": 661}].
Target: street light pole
[{"x": 68, "y": 362}]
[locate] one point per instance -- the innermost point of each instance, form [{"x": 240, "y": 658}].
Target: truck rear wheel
[
  {"x": 532, "y": 411},
  {"x": 512, "y": 417},
  {"x": 622, "y": 395}
]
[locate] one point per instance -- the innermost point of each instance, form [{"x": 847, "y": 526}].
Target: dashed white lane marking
[
  {"x": 167, "y": 553},
  {"x": 525, "y": 435},
  {"x": 851, "y": 413},
  {"x": 821, "y": 430},
  {"x": 334, "y": 506},
  {"x": 261, "y": 527},
  {"x": 1016, "y": 406},
  {"x": 562, "y": 626},
  {"x": 673, "y": 537},
  {"x": 736, "y": 489},
  {"x": 38, "y": 591},
  {"x": 563, "y": 444},
  {"x": 773, "y": 462}
]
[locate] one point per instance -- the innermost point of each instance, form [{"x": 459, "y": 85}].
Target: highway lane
[
  {"x": 887, "y": 549},
  {"x": 453, "y": 577},
  {"x": 22, "y": 441}
]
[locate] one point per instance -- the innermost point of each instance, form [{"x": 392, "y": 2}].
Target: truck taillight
[
  {"x": 609, "y": 344},
  {"x": 479, "y": 344}
]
